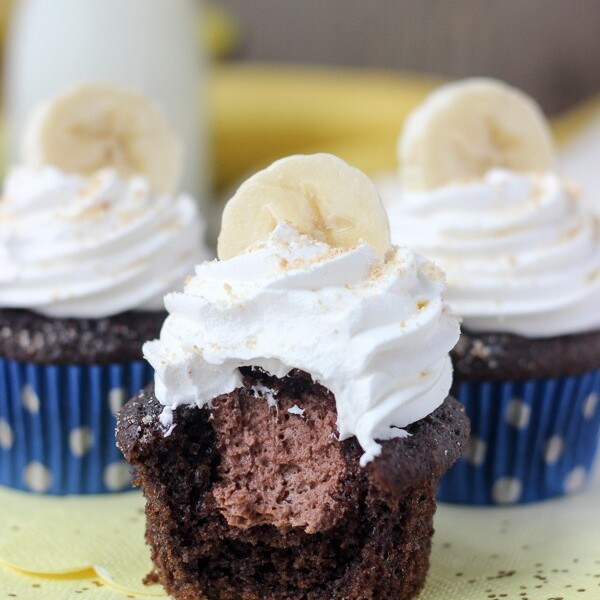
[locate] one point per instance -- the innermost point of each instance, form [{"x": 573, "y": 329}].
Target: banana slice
[
  {"x": 463, "y": 129},
  {"x": 93, "y": 126},
  {"x": 319, "y": 194}
]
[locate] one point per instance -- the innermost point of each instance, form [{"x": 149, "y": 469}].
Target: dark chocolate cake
[
  {"x": 255, "y": 498},
  {"x": 27, "y": 336},
  {"x": 506, "y": 356}
]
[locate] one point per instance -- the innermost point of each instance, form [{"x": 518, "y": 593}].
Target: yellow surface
[
  {"x": 548, "y": 550},
  {"x": 544, "y": 551},
  {"x": 54, "y": 535},
  {"x": 15, "y": 585}
]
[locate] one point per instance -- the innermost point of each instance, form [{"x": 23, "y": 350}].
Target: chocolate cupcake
[
  {"x": 90, "y": 242},
  {"x": 521, "y": 254},
  {"x": 300, "y": 420}
]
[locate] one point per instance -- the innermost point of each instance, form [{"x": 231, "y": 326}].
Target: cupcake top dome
[
  {"x": 478, "y": 196},
  {"x": 309, "y": 280},
  {"x": 89, "y": 225}
]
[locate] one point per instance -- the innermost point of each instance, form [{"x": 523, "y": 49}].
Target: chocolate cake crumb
[
  {"x": 505, "y": 356},
  {"x": 30, "y": 337},
  {"x": 230, "y": 513}
]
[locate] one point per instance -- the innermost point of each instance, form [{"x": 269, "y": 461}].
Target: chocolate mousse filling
[
  {"x": 255, "y": 497},
  {"x": 280, "y": 464}
]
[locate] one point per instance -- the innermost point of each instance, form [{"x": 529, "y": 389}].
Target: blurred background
[
  {"x": 549, "y": 49},
  {"x": 276, "y": 77}
]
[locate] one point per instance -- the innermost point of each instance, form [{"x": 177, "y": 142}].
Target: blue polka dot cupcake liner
[
  {"x": 57, "y": 425},
  {"x": 530, "y": 440}
]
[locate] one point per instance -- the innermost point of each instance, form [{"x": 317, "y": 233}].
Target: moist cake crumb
[{"x": 258, "y": 504}]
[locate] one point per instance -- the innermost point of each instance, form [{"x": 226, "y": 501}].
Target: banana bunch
[
  {"x": 260, "y": 113},
  {"x": 319, "y": 194},
  {"x": 94, "y": 126},
  {"x": 6, "y": 7}
]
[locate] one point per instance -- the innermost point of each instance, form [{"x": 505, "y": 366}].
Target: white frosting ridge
[
  {"x": 521, "y": 253},
  {"x": 376, "y": 334},
  {"x": 73, "y": 246}
]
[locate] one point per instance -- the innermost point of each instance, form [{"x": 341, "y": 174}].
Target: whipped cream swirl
[
  {"x": 73, "y": 246},
  {"x": 521, "y": 252},
  {"x": 377, "y": 335}
]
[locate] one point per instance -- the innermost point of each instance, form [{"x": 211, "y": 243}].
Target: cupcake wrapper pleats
[
  {"x": 57, "y": 425},
  {"x": 530, "y": 440}
]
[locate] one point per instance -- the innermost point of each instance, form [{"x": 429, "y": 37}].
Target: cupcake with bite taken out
[
  {"x": 91, "y": 238},
  {"x": 521, "y": 253},
  {"x": 299, "y": 422}
]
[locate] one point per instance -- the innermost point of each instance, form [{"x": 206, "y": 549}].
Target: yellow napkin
[
  {"x": 537, "y": 552},
  {"x": 103, "y": 535},
  {"x": 548, "y": 550},
  {"x": 20, "y": 586}
]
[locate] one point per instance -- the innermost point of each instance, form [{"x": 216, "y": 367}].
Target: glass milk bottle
[{"x": 150, "y": 45}]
